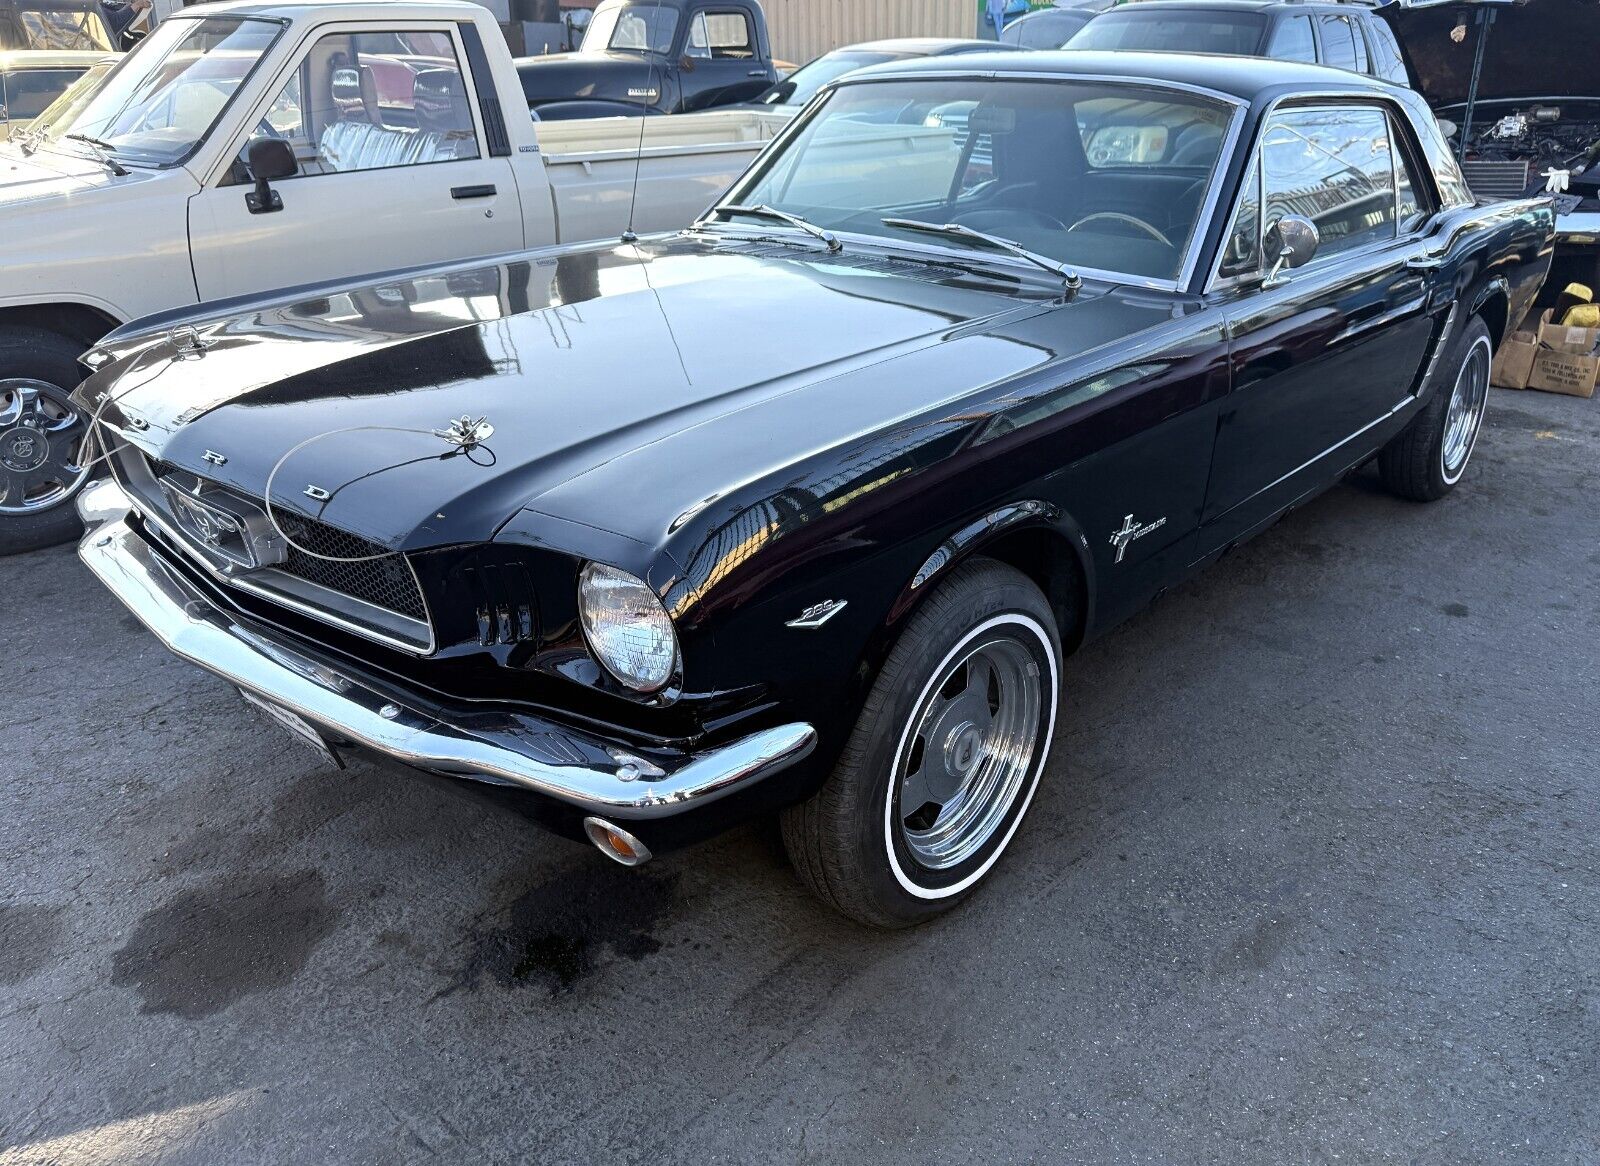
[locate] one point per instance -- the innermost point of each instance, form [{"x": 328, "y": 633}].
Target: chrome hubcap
[
  {"x": 970, "y": 753},
  {"x": 43, "y": 436},
  {"x": 1464, "y": 416}
]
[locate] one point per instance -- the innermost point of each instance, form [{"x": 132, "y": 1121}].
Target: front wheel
[
  {"x": 44, "y": 440},
  {"x": 944, "y": 758},
  {"x": 1428, "y": 457}
]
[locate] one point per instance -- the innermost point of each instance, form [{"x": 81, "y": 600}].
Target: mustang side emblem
[
  {"x": 1130, "y": 531},
  {"x": 650, "y": 93},
  {"x": 818, "y": 614}
]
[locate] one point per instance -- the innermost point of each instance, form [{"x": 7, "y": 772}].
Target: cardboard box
[
  {"x": 1513, "y": 364},
  {"x": 1567, "y": 360}
]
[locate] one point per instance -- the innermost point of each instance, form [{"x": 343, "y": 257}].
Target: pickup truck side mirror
[
  {"x": 271, "y": 159},
  {"x": 1290, "y": 242}
]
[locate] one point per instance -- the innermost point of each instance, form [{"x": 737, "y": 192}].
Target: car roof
[
  {"x": 1238, "y": 6},
  {"x": 329, "y": 10},
  {"x": 1245, "y": 78},
  {"x": 916, "y": 46}
]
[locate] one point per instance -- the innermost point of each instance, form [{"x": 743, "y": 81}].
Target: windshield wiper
[
  {"x": 103, "y": 152},
  {"x": 956, "y": 231},
  {"x": 763, "y": 211}
]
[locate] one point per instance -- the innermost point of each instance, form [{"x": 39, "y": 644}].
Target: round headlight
[{"x": 627, "y": 627}]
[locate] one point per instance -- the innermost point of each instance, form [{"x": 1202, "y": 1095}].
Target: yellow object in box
[{"x": 1582, "y": 316}]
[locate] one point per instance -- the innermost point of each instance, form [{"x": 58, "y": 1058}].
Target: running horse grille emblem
[{"x": 1130, "y": 530}]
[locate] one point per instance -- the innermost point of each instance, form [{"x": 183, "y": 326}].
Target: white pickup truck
[{"x": 245, "y": 147}]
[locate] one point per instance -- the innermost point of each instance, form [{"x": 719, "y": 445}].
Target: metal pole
[{"x": 1485, "y": 19}]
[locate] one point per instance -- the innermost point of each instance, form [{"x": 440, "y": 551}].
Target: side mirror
[
  {"x": 271, "y": 159},
  {"x": 1290, "y": 242}
]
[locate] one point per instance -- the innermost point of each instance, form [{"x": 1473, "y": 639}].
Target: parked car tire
[
  {"x": 960, "y": 719},
  {"x": 1427, "y": 458},
  {"x": 43, "y": 439}
]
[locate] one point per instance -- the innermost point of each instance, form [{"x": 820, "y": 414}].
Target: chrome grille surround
[{"x": 377, "y": 597}]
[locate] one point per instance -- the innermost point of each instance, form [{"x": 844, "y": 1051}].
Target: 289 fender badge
[
  {"x": 1130, "y": 531},
  {"x": 818, "y": 614}
]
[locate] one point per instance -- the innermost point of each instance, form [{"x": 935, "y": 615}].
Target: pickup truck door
[
  {"x": 394, "y": 169},
  {"x": 723, "y": 61},
  {"x": 1325, "y": 352}
]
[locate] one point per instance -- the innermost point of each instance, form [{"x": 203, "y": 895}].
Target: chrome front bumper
[{"x": 579, "y": 768}]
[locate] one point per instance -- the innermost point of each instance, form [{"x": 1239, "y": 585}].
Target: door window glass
[
  {"x": 720, "y": 36},
  {"x": 1410, "y": 208},
  {"x": 1293, "y": 41},
  {"x": 1334, "y": 167},
  {"x": 76, "y": 28},
  {"x": 1241, "y": 250},
  {"x": 1386, "y": 59},
  {"x": 371, "y": 101},
  {"x": 1338, "y": 43}
]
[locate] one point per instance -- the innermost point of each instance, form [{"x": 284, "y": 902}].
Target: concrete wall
[{"x": 802, "y": 29}]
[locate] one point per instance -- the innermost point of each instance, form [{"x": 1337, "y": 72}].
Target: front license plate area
[{"x": 297, "y": 727}]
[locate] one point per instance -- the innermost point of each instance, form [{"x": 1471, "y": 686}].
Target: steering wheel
[
  {"x": 1126, "y": 220},
  {"x": 1010, "y": 214}
]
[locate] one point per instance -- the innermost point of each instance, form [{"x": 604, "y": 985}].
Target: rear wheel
[
  {"x": 1429, "y": 456},
  {"x": 44, "y": 439},
  {"x": 944, "y": 758}
]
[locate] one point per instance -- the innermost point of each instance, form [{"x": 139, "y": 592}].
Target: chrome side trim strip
[{"x": 579, "y": 768}]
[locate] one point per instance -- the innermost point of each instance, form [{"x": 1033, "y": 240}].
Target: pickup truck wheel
[
  {"x": 1427, "y": 458},
  {"x": 944, "y": 758},
  {"x": 44, "y": 439}
]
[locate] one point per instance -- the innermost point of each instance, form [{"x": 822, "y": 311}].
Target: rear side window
[
  {"x": 1386, "y": 59},
  {"x": 1293, "y": 41},
  {"x": 1338, "y": 43},
  {"x": 1185, "y": 30}
]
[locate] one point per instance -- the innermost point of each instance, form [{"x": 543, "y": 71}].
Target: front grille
[
  {"x": 1496, "y": 180},
  {"x": 354, "y": 566}
]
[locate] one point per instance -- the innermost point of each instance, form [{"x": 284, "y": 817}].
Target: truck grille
[{"x": 1496, "y": 180}]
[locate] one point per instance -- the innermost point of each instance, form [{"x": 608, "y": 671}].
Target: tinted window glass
[
  {"x": 1411, "y": 210},
  {"x": 1386, "y": 60},
  {"x": 801, "y": 86},
  {"x": 1293, "y": 41},
  {"x": 1241, "y": 251},
  {"x": 26, "y": 94},
  {"x": 1332, "y": 166},
  {"x": 1045, "y": 30},
  {"x": 1338, "y": 44},
  {"x": 1186, "y": 31}
]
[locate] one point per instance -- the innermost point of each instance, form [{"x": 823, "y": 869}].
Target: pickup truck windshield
[
  {"x": 160, "y": 103},
  {"x": 637, "y": 28},
  {"x": 801, "y": 86},
  {"x": 1101, "y": 175},
  {"x": 1188, "y": 30},
  {"x": 73, "y": 25}
]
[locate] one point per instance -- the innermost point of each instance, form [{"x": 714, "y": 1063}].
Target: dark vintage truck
[
  {"x": 803, "y": 510},
  {"x": 655, "y": 56}
]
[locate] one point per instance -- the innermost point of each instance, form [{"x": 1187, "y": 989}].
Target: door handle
[
  {"x": 487, "y": 190},
  {"x": 1427, "y": 261}
]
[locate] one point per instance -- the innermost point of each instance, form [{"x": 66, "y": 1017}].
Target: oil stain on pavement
[
  {"x": 570, "y": 925},
  {"x": 211, "y": 946}
]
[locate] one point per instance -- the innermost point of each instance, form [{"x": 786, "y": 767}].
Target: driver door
[{"x": 393, "y": 170}]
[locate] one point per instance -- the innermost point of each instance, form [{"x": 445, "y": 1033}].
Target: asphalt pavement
[{"x": 1314, "y": 876}]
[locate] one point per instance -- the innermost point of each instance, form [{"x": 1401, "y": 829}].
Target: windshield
[
  {"x": 161, "y": 102},
  {"x": 641, "y": 28},
  {"x": 1187, "y": 30},
  {"x": 71, "y": 98},
  {"x": 1096, "y": 174},
  {"x": 54, "y": 24},
  {"x": 801, "y": 86}
]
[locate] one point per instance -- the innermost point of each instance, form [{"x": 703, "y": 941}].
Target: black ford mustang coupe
[{"x": 802, "y": 509}]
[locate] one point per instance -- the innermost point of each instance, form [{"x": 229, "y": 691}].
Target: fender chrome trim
[{"x": 574, "y": 766}]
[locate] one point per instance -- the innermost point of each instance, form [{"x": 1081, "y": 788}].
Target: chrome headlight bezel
[{"x": 613, "y": 603}]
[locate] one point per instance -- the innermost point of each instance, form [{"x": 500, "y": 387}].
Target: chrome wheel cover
[
  {"x": 43, "y": 442},
  {"x": 1464, "y": 415},
  {"x": 972, "y": 748}
]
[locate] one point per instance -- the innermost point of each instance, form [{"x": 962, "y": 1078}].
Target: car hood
[
  {"x": 590, "y": 77},
  {"x": 624, "y": 386},
  {"x": 47, "y": 173},
  {"x": 1532, "y": 51}
]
